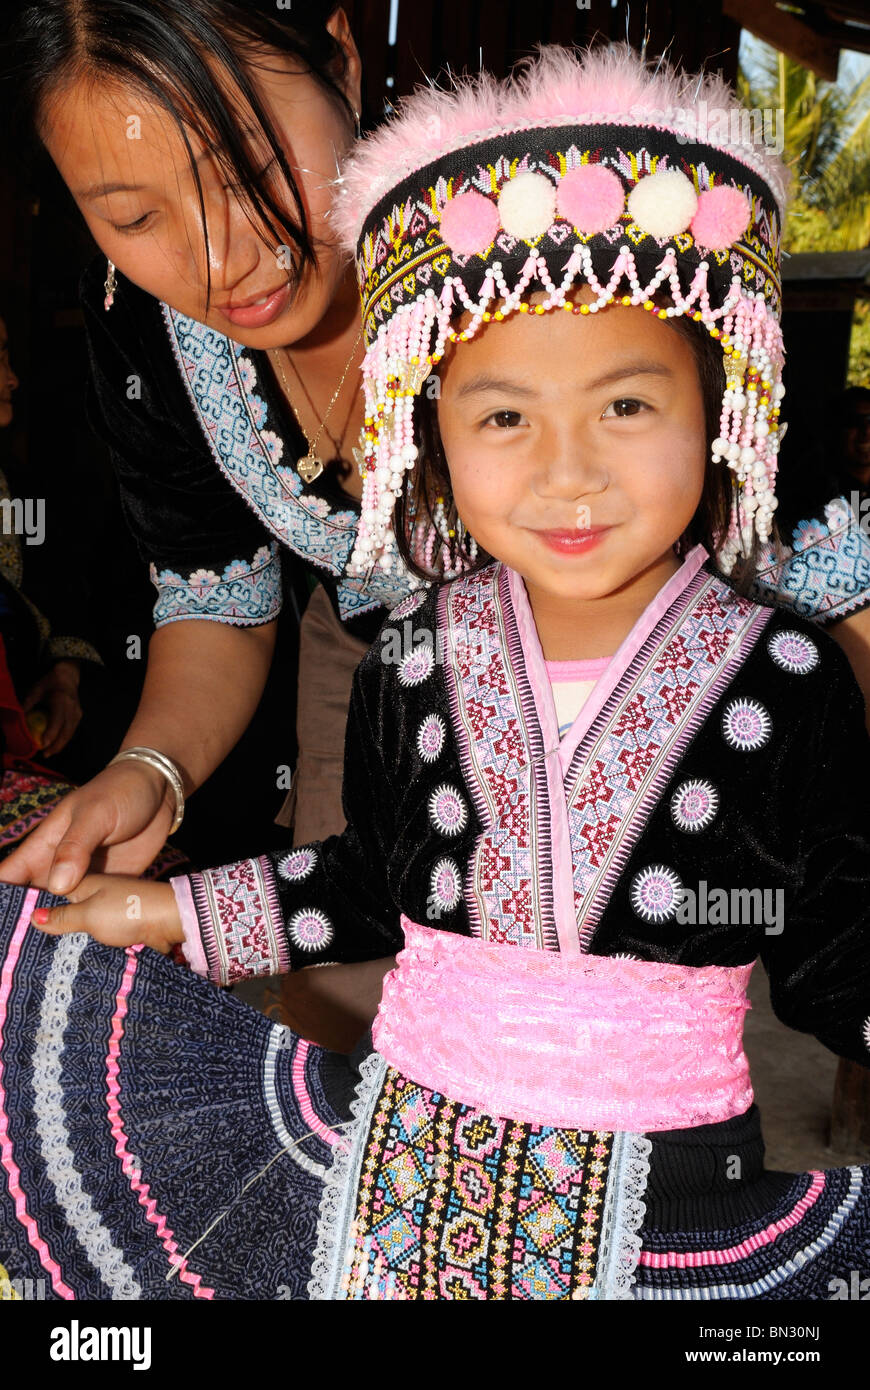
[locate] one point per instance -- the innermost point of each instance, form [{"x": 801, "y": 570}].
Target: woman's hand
[
  {"x": 119, "y": 820},
  {"x": 57, "y": 692},
  {"x": 119, "y": 911}
]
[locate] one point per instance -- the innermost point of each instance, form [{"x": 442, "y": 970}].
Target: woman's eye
[
  {"x": 504, "y": 419},
  {"x": 625, "y": 406},
  {"x": 137, "y": 226}
]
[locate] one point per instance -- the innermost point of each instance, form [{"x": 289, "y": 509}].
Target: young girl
[{"x": 588, "y": 782}]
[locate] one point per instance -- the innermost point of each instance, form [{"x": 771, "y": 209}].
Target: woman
[{"x": 200, "y": 140}]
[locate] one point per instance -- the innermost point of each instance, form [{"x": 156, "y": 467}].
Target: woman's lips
[
  {"x": 257, "y": 315},
  {"x": 573, "y": 542}
]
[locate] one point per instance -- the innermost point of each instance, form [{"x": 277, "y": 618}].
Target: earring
[
  {"x": 110, "y": 286},
  {"x": 356, "y": 118}
]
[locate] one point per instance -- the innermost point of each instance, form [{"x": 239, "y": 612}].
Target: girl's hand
[
  {"x": 118, "y": 911},
  {"x": 116, "y": 822},
  {"x": 57, "y": 692}
]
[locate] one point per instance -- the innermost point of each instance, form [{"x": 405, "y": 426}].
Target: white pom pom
[
  {"x": 663, "y": 204},
  {"x": 527, "y": 206}
]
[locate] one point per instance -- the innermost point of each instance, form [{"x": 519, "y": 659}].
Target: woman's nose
[
  {"x": 234, "y": 249},
  {"x": 570, "y": 470}
]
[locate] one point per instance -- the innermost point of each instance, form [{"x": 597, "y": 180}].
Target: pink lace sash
[{"x": 593, "y": 1044}]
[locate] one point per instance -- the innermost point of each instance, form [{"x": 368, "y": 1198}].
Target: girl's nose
[{"x": 570, "y": 471}]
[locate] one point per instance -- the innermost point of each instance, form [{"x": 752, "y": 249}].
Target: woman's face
[
  {"x": 125, "y": 162},
  {"x": 575, "y": 445}
]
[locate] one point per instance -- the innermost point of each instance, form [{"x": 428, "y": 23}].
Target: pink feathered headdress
[{"x": 579, "y": 168}]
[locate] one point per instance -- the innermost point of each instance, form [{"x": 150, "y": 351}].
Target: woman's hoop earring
[{"x": 110, "y": 286}]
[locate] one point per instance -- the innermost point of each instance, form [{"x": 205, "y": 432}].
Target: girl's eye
[
  {"x": 622, "y": 408},
  {"x": 137, "y": 226},
  {"x": 504, "y": 419}
]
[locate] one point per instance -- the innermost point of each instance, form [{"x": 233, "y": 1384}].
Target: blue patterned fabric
[
  {"x": 825, "y": 573},
  {"x": 221, "y": 382},
  {"x": 139, "y": 1104},
  {"x": 247, "y": 592}
]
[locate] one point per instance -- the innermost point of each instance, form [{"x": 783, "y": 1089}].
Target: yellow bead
[
  {"x": 487, "y": 316},
  {"x": 662, "y": 314},
  {"x": 415, "y": 361},
  {"x": 697, "y": 316},
  {"x": 539, "y": 309},
  {"x": 714, "y": 333},
  {"x": 568, "y": 308},
  {"x": 648, "y": 304},
  {"x": 524, "y": 308},
  {"x": 626, "y": 300},
  {"x": 498, "y": 315},
  {"x": 584, "y": 308}
]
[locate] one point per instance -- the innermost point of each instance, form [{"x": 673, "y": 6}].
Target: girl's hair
[
  {"x": 707, "y": 527},
  {"x": 166, "y": 49}
]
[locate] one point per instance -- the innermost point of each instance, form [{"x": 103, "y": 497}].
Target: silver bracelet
[{"x": 163, "y": 765}]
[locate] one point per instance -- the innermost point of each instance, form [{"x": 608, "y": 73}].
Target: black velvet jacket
[{"x": 726, "y": 751}]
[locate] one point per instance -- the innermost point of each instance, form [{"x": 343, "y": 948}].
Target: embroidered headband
[{"x": 577, "y": 169}]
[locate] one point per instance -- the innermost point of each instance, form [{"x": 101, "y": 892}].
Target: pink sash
[{"x": 594, "y": 1043}]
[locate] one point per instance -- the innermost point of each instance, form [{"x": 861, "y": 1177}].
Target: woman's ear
[{"x": 351, "y": 83}]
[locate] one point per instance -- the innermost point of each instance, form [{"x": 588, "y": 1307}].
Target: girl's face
[
  {"x": 575, "y": 445},
  {"x": 127, "y": 167}
]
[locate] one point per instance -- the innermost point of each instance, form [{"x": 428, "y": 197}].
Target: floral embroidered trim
[
  {"x": 694, "y": 805},
  {"x": 447, "y": 810},
  {"x": 793, "y": 652},
  {"x": 298, "y": 864},
  {"x": 445, "y": 885},
  {"x": 656, "y": 893},
  {"x": 246, "y": 593},
  {"x": 220, "y": 381},
  {"x": 310, "y": 929},
  {"x": 240, "y": 921},
  {"x": 746, "y": 725},
  {"x": 430, "y": 737}
]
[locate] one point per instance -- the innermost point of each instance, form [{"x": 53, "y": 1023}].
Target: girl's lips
[
  {"x": 573, "y": 542},
  {"x": 258, "y": 315}
]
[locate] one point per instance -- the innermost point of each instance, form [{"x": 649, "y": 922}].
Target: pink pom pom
[
  {"x": 469, "y": 223},
  {"x": 592, "y": 197},
  {"x": 722, "y": 217}
]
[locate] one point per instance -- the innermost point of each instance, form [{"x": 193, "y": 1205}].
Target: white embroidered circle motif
[
  {"x": 408, "y": 605},
  {"x": 794, "y": 652},
  {"x": 445, "y": 884},
  {"x": 297, "y": 864},
  {"x": 746, "y": 725},
  {"x": 310, "y": 929},
  {"x": 694, "y": 805},
  {"x": 447, "y": 810},
  {"x": 656, "y": 893},
  {"x": 866, "y": 1031},
  {"x": 417, "y": 665},
  {"x": 430, "y": 737}
]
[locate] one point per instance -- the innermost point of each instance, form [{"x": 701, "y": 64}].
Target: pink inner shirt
[{"x": 572, "y": 683}]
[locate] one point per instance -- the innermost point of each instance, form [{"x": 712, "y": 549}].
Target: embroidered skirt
[{"x": 161, "y": 1140}]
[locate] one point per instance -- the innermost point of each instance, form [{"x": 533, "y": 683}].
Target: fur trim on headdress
[{"x": 558, "y": 86}]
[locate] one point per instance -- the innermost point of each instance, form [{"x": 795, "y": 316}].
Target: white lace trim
[
  {"x": 622, "y": 1217},
  {"x": 51, "y": 1127},
  {"x": 340, "y": 1188}
]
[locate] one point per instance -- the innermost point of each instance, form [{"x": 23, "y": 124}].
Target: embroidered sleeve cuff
[
  {"x": 247, "y": 593},
  {"x": 825, "y": 573},
  {"x": 73, "y": 649},
  {"x": 192, "y": 946},
  {"x": 238, "y": 921}
]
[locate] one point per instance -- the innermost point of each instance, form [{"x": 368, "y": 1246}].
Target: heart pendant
[{"x": 309, "y": 468}]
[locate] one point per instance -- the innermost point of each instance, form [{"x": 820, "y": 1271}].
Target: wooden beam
[{"x": 792, "y": 36}]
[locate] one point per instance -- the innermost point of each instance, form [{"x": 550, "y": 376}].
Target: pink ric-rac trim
[
  {"x": 588, "y": 1042},
  {"x": 113, "y": 1091},
  {"x": 307, "y": 1110},
  {"x": 192, "y": 946},
  {"x": 14, "y": 1173},
  {"x": 695, "y": 1259}
]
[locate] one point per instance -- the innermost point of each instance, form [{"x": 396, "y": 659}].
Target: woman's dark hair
[
  {"x": 707, "y": 527},
  {"x": 164, "y": 48}
]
